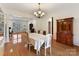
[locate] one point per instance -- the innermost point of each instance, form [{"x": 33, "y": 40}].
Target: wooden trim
[
  {"x": 52, "y": 25},
  {"x": 66, "y": 18}
]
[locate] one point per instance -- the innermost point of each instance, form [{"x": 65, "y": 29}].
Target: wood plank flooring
[
  {"x": 18, "y": 50},
  {"x": 58, "y": 49}
]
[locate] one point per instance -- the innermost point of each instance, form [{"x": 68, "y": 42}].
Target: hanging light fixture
[{"x": 39, "y": 13}]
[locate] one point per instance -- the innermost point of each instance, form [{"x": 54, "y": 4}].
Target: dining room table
[{"x": 37, "y": 41}]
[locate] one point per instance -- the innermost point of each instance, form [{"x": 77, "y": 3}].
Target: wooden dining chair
[{"x": 44, "y": 32}]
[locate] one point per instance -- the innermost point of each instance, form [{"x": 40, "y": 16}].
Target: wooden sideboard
[{"x": 65, "y": 31}]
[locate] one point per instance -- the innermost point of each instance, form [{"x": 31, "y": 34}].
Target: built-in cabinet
[{"x": 65, "y": 31}]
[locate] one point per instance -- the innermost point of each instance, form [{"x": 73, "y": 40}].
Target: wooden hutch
[{"x": 65, "y": 31}]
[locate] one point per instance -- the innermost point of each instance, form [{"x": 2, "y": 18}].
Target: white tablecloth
[{"x": 37, "y": 40}]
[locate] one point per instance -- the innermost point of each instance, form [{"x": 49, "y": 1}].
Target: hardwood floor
[
  {"x": 16, "y": 50},
  {"x": 1, "y": 51},
  {"x": 58, "y": 49}
]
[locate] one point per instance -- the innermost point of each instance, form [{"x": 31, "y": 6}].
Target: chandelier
[{"x": 39, "y": 13}]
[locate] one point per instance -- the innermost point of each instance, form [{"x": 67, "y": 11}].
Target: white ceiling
[
  {"x": 30, "y": 7},
  {"x": 47, "y": 7}
]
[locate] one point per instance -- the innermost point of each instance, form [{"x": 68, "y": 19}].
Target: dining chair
[
  {"x": 36, "y": 46},
  {"x": 48, "y": 42}
]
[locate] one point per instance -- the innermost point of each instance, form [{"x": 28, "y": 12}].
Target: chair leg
[
  {"x": 45, "y": 51},
  {"x": 37, "y": 52},
  {"x": 50, "y": 51},
  {"x": 29, "y": 48}
]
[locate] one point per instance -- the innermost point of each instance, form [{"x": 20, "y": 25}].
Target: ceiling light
[{"x": 39, "y": 13}]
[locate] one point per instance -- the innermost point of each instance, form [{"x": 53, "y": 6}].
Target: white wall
[{"x": 42, "y": 23}]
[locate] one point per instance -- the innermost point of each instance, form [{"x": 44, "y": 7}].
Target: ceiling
[{"x": 31, "y": 7}]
